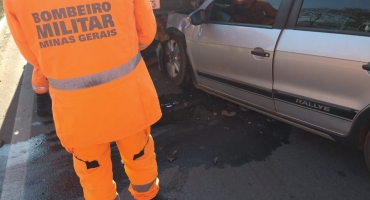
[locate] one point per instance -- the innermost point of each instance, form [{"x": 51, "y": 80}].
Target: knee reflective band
[
  {"x": 143, "y": 188},
  {"x": 96, "y": 79}
]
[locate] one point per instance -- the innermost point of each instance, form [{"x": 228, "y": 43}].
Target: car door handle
[
  {"x": 259, "y": 53},
  {"x": 366, "y": 67}
]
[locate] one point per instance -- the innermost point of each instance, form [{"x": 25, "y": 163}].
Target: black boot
[
  {"x": 159, "y": 196},
  {"x": 44, "y": 105}
]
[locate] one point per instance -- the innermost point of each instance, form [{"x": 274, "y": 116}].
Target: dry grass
[{"x": 1, "y": 9}]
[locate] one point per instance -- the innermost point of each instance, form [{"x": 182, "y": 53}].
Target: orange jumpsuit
[{"x": 100, "y": 87}]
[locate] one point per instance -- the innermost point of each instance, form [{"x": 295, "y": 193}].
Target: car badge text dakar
[{"x": 84, "y": 22}]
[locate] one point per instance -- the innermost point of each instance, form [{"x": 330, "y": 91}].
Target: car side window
[
  {"x": 346, "y": 15},
  {"x": 260, "y": 12}
]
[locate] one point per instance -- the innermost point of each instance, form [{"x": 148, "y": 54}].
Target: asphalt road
[{"x": 245, "y": 156}]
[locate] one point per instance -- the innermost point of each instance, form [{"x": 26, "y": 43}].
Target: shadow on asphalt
[
  {"x": 6, "y": 130},
  {"x": 192, "y": 125},
  {"x": 202, "y": 137}
]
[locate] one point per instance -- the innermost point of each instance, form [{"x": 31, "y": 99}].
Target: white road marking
[{"x": 11, "y": 70}]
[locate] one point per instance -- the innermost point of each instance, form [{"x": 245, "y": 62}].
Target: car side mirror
[
  {"x": 197, "y": 17},
  {"x": 203, "y": 14}
]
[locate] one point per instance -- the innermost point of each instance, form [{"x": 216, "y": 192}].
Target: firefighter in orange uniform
[
  {"x": 252, "y": 11},
  {"x": 99, "y": 85},
  {"x": 40, "y": 86}
]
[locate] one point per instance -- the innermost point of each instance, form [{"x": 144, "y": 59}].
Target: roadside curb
[{"x": 3, "y": 27}]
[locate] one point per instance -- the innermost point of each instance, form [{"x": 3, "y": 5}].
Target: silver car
[{"x": 303, "y": 62}]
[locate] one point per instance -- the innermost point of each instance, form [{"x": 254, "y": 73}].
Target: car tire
[
  {"x": 175, "y": 61},
  {"x": 367, "y": 150}
]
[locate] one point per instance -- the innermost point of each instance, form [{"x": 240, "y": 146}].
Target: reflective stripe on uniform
[
  {"x": 143, "y": 46},
  {"x": 38, "y": 88},
  {"x": 143, "y": 188},
  {"x": 117, "y": 198},
  {"x": 96, "y": 79}
]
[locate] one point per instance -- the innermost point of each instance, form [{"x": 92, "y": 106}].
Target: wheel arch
[
  {"x": 360, "y": 127},
  {"x": 176, "y": 31},
  {"x": 160, "y": 46},
  {"x": 184, "y": 74}
]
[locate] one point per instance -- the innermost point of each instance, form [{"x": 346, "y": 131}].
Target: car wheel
[
  {"x": 367, "y": 150},
  {"x": 159, "y": 52},
  {"x": 176, "y": 61}
]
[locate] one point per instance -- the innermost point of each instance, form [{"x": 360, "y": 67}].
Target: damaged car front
[{"x": 171, "y": 54}]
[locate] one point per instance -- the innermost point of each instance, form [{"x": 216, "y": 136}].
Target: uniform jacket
[{"x": 71, "y": 39}]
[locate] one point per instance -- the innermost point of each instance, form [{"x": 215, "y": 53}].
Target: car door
[
  {"x": 318, "y": 75},
  {"x": 233, "y": 54}
]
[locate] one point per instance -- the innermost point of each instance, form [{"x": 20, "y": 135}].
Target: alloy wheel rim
[{"x": 174, "y": 61}]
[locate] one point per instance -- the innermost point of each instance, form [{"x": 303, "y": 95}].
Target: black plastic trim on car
[
  {"x": 262, "y": 92},
  {"x": 262, "y": 54},
  {"x": 350, "y": 139},
  {"x": 282, "y": 15},
  {"x": 242, "y": 24},
  {"x": 303, "y": 102},
  {"x": 294, "y": 13},
  {"x": 333, "y": 31},
  {"x": 287, "y": 118},
  {"x": 173, "y": 30},
  {"x": 317, "y": 106}
]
